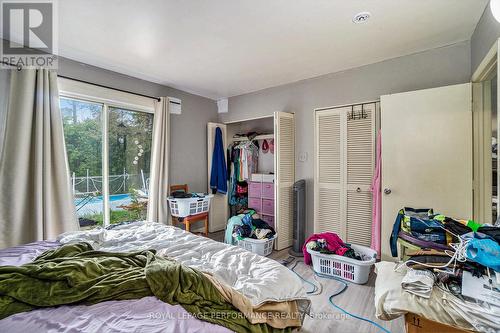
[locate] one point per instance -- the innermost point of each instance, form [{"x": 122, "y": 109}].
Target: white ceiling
[{"x": 222, "y": 48}]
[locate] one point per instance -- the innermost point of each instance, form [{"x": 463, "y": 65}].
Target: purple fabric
[
  {"x": 377, "y": 198},
  {"x": 147, "y": 314},
  {"x": 422, "y": 243},
  {"x": 22, "y": 254},
  {"x": 333, "y": 241}
]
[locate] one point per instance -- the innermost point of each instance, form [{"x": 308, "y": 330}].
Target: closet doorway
[{"x": 273, "y": 176}]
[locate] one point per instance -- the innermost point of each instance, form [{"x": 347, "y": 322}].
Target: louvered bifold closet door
[
  {"x": 360, "y": 164},
  {"x": 284, "y": 132},
  {"x": 329, "y": 212}
]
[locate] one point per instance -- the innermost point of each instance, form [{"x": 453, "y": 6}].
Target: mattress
[
  {"x": 147, "y": 314},
  {"x": 260, "y": 279}
]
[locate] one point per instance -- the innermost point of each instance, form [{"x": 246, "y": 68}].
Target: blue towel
[{"x": 218, "y": 175}]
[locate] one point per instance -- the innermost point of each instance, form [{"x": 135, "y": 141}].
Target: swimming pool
[
  {"x": 113, "y": 197},
  {"x": 95, "y": 205}
]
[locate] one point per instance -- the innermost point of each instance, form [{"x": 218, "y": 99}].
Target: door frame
[
  {"x": 211, "y": 127},
  {"x": 481, "y": 121}
]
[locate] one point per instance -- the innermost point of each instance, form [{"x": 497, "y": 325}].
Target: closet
[
  {"x": 269, "y": 182},
  {"x": 344, "y": 164}
]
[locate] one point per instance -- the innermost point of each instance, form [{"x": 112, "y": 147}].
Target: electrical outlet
[{"x": 302, "y": 156}]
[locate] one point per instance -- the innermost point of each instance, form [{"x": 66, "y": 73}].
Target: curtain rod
[
  {"x": 107, "y": 87},
  {"x": 19, "y": 67}
]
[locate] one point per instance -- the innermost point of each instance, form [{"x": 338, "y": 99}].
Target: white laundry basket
[
  {"x": 182, "y": 207},
  {"x": 262, "y": 247},
  {"x": 349, "y": 269}
]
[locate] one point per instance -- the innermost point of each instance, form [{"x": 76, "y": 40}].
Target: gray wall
[
  {"x": 486, "y": 33},
  {"x": 433, "y": 68}
]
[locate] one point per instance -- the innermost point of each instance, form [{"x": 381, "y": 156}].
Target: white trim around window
[
  {"x": 89, "y": 92},
  {"x": 108, "y": 98}
]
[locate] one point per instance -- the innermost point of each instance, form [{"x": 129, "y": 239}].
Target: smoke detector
[{"x": 361, "y": 17}]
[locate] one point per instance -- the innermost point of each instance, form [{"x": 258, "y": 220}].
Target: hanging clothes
[
  {"x": 377, "y": 198},
  {"x": 243, "y": 162},
  {"x": 218, "y": 175}
]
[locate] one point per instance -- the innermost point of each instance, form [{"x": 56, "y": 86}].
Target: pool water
[
  {"x": 96, "y": 205},
  {"x": 113, "y": 197}
]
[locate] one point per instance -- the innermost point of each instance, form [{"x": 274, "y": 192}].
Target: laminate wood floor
[{"x": 357, "y": 299}]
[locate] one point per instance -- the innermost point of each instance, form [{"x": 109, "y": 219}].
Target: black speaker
[{"x": 299, "y": 217}]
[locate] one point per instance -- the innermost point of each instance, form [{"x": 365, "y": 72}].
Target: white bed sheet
[{"x": 259, "y": 278}]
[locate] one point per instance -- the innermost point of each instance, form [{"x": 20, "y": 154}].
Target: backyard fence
[{"x": 118, "y": 184}]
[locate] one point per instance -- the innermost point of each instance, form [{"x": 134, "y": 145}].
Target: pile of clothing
[
  {"x": 460, "y": 257},
  {"x": 248, "y": 225},
  {"x": 328, "y": 243}
]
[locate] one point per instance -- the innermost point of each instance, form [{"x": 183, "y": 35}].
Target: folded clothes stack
[
  {"x": 460, "y": 257},
  {"x": 418, "y": 282}
]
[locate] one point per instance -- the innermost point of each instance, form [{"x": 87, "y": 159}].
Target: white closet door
[
  {"x": 218, "y": 213},
  {"x": 284, "y": 145},
  {"x": 360, "y": 165},
  {"x": 344, "y": 163},
  {"x": 426, "y": 154},
  {"x": 329, "y": 212}
]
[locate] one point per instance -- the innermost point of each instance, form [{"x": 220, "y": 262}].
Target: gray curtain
[
  {"x": 158, "y": 183},
  {"x": 4, "y": 99},
  {"x": 36, "y": 201}
]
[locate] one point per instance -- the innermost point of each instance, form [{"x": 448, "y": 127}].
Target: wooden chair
[{"x": 188, "y": 220}]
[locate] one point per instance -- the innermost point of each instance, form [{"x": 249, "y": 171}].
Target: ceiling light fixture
[
  {"x": 361, "y": 17},
  {"x": 495, "y": 9}
]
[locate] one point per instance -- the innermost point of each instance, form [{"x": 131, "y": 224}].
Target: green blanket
[{"x": 75, "y": 273}]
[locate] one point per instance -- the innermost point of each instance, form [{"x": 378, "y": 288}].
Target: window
[
  {"x": 82, "y": 122},
  {"x": 108, "y": 144},
  {"x": 130, "y": 137}
]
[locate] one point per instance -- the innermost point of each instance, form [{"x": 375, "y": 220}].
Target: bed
[{"x": 259, "y": 283}]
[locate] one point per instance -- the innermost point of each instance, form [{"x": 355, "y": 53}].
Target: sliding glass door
[
  {"x": 130, "y": 136},
  {"x": 109, "y": 155}
]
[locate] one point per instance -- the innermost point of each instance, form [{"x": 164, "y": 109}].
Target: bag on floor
[{"x": 419, "y": 227}]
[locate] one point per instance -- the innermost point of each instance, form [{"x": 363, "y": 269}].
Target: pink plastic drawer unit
[
  {"x": 268, "y": 206},
  {"x": 268, "y": 219},
  {"x": 255, "y": 203},
  {"x": 254, "y": 190},
  {"x": 268, "y": 190}
]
